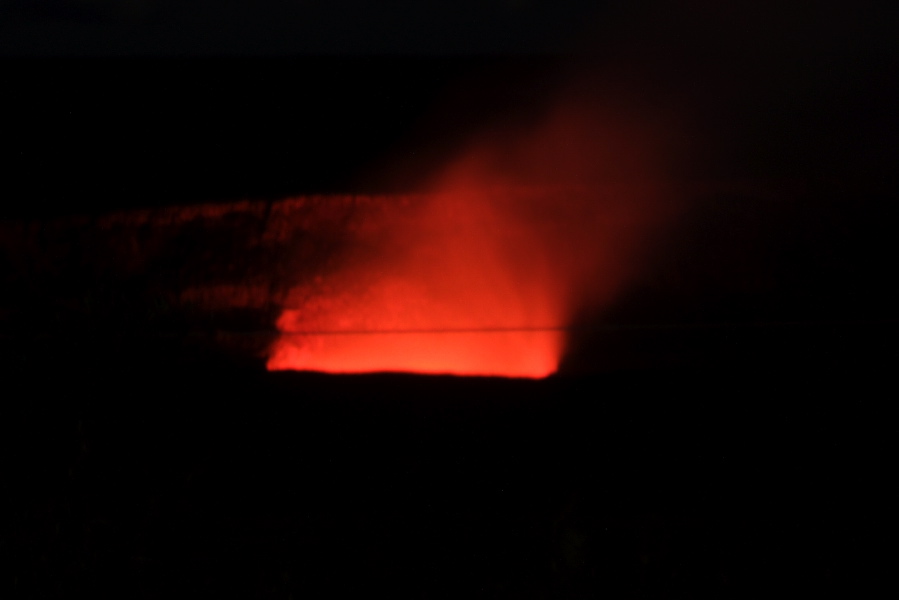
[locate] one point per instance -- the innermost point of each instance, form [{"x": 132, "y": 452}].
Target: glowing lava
[
  {"x": 451, "y": 288},
  {"x": 482, "y": 275},
  {"x": 509, "y": 354}
]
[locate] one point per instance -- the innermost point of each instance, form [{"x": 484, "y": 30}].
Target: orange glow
[
  {"x": 482, "y": 275},
  {"x": 509, "y": 354}
]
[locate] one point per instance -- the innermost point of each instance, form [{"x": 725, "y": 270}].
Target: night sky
[
  {"x": 249, "y": 89},
  {"x": 277, "y": 27}
]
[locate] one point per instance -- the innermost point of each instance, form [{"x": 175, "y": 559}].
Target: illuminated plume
[{"x": 483, "y": 274}]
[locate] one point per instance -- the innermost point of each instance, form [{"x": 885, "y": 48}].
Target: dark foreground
[{"x": 131, "y": 472}]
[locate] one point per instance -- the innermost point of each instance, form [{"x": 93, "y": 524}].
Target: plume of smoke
[{"x": 518, "y": 234}]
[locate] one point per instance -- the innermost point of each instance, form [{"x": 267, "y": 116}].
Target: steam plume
[{"x": 484, "y": 274}]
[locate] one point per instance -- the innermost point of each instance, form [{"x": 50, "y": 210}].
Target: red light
[{"x": 482, "y": 275}]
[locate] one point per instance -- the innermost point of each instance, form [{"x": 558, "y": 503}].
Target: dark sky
[
  {"x": 266, "y": 27},
  {"x": 790, "y": 30},
  {"x": 769, "y": 89}
]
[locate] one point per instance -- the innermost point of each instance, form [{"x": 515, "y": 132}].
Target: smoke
[{"x": 517, "y": 235}]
